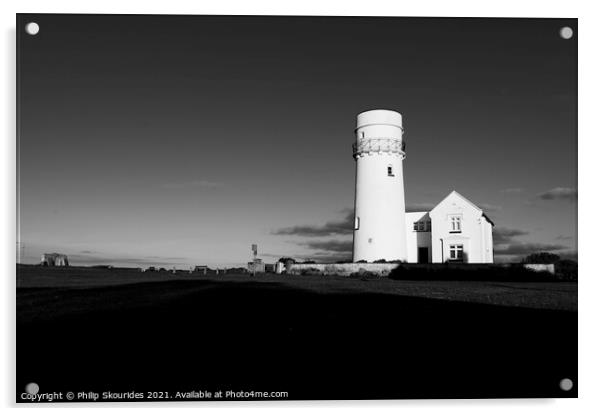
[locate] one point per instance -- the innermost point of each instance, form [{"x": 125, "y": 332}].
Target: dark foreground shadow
[{"x": 183, "y": 336}]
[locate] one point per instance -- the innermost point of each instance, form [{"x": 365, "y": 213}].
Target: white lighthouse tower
[{"x": 380, "y": 228}]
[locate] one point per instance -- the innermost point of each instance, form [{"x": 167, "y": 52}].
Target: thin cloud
[
  {"x": 329, "y": 251},
  {"x": 261, "y": 255},
  {"x": 568, "y": 254},
  {"x": 91, "y": 259},
  {"x": 165, "y": 258},
  {"x": 490, "y": 207},
  {"x": 204, "y": 184},
  {"x": 507, "y": 246},
  {"x": 343, "y": 226},
  {"x": 333, "y": 246},
  {"x": 331, "y": 257},
  {"x": 523, "y": 249},
  {"x": 503, "y": 235},
  {"x": 559, "y": 194},
  {"x": 512, "y": 190},
  {"x": 564, "y": 237}
]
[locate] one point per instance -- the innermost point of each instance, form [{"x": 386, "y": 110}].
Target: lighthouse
[{"x": 380, "y": 224}]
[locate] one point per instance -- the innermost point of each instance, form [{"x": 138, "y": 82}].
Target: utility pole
[{"x": 254, "y": 249}]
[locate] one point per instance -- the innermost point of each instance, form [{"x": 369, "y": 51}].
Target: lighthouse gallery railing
[{"x": 378, "y": 145}]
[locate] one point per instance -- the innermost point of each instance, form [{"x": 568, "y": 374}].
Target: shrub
[
  {"x": 464, "y": 272},
  {"x": 566, "y": 270},
  {"x": 365, "y": 274},
  {"x": 541, "y": 258},
  {"x": 286, "y": 260}
]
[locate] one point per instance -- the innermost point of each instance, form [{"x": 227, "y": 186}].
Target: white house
[{"x": 455, "y": 230}]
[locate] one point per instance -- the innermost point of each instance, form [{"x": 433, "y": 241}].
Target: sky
[{"x": 182, "y": 140}]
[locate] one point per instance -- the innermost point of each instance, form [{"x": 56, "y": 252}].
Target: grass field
[
  {"x": 546, "y": 295},
  {"x": 315, "y": 337}
]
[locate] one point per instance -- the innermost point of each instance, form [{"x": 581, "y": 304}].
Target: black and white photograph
[{"x": 291, "y": 208}]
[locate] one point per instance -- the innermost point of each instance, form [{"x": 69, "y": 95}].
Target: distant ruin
[{"x": 54, "y": 259}]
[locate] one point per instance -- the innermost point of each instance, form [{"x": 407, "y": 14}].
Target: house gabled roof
[{"x": 454, "y": 193}]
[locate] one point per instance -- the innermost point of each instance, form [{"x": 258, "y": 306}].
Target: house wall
[
  {"x": 488, "y": 242},
  {"x": 475, "y": 235},
  {"x": 417, "y": 239}
]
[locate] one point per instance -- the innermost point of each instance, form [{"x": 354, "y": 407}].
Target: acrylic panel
[{"x": 295, "y": 208}]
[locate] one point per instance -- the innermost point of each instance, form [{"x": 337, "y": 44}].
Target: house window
[
  {"x": 390, "y": 170},
  {"x": 357, "y": 223},
  {"x": 422, "y": 226},
  {"x": 456, "y": 226},
  {"x": 456, "y": 252}
]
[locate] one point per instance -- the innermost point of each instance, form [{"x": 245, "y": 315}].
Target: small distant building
[
  {"x": 201, "y": 269},
  {"x": 277, "y": 267},
  {"x": 54, "y": 259},
  {"x": 256, "y": 266}
]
